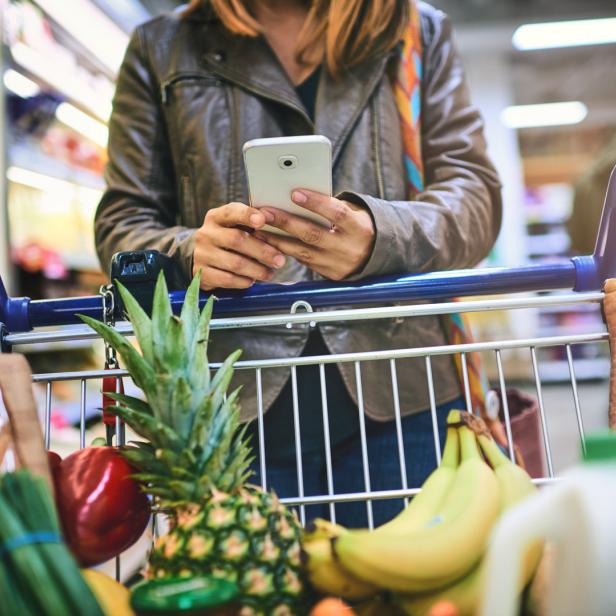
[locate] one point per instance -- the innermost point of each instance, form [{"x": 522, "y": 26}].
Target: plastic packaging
[{"x": 577, "y": 517}]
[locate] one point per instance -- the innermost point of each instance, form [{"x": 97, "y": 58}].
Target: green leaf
[
  {"x": 220, "y": 436},
  {"x": 199, "y": 369},
  {"x": 175, "y": 357},
  {"x": 203, "y": 327},
  {"x": 165, "y": 384},
  {"x": 190, "y": 311},
  {"x": 140, "y": 371},
  {"x": 181, "y": 408},
  {"x": 135, "y": 404},
  {"x": 144, "y": 462},
  {"x": 177, "y": 472},
  {"x": 140, "y": 321},
  {"x": 184, "y": 490},
  {"x": 146, "y": 477},
  {"x": 161, "y": 316},
  {"x": 161, "y": 435}
]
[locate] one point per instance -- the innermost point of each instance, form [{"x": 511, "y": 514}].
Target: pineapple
[{"x": 195, "y": 461}]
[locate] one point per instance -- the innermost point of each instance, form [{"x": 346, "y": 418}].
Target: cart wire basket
[{"x": 578, "y": 281}]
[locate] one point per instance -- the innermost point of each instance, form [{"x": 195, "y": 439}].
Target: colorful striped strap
[{"x": 407, "y": 91}]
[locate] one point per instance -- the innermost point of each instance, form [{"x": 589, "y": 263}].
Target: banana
[
  {"x": 328, "y": 577},
  {"x": 425, "y": 505},
  {"x": 514, "y": 482},
  {"x": 515, "y": 485},
  {"x": 466, "y": 594},
  {"x": 445, "y": 548},
  {"x": 321, "y": 529}
]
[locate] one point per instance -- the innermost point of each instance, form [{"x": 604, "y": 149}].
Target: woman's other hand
[
  {"x": 336, "y": 252},
  {"x": 227, "y": 254}
]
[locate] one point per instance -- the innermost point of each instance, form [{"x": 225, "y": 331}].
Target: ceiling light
[
  {"x": 19, "y": 84},
  {"x": 549, "y": 114},
  {"x": 49, "y": 184},
  {"x": 62, "y": 78},
  {"x": 91, "y": 27},
  {"x": 565, "y": 34},
  {"x": 83, "y": 123}
]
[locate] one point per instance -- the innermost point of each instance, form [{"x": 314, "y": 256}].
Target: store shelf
[
  {"x": 24, "y": 155},
  {"x": 585, "y": 370}
]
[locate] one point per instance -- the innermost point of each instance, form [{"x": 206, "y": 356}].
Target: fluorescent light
[
  {"x": 83, "y": 123},
  {"x": 91, "y": 27},
  {"x": 20, "y": 84},
  {"x": 63, "y": 78},
  {"x": 49, "y": 184},
  {"x": 565, "y": 34},
  {"x": 549, "y": 114}
]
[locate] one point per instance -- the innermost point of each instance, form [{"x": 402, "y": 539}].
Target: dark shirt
[{"x": 342, "y": 411}]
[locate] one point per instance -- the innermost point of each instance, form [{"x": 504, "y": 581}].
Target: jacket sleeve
[
  {"x": 139, "y": 208},
  {"x": 454, "y": 222}
]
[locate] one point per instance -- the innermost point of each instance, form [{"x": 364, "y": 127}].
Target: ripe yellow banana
[
  {"x": 445, "y": 548},
  {"x": 321, "y": 529},
  {"x": 425, "y": 505},
  {"x": 514, "y": 482},
  {"x": 515, "y": 485},
  {"x": 466, "y": 594},
  {"x": 328, "y": 577}
]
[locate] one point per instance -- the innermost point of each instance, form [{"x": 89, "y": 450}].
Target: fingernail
[
  {"x": 279, "y": 261},
  {"x": 269, "y": 217},
  {"x": 299, "y": 197},
  {"x": 256, "y": 220}
]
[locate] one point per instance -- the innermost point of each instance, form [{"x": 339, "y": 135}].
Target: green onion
[{"x": 42, "y": 577}]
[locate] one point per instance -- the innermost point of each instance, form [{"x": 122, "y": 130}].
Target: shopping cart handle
[{"x": 585, "y": 273}]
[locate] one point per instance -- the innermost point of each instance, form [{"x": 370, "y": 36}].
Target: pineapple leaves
[
  {"x": 181, "y": 408},
  {"x": 134, "y": 404},
  {"x": 142, "y": 325},
  {"x": 199, "y": 372},
  {"x": 190, "y": 311},
  {"x": 139, "y": 369},
  {"x": 149, "y": 427},
  {"x": 161, "y": 316}
]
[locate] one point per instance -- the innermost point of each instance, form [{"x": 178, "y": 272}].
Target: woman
[{"x": 193, "y": 88}]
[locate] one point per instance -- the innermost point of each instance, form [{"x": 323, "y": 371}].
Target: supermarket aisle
[{"x": 561, "y": 417}]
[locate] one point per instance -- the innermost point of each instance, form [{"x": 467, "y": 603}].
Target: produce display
[
  {"x": 38, "y": 575},
  {"x": 195, "y": 462},
  {"x": 102, "y": 509},
  {"x": 431, "y": 553}
]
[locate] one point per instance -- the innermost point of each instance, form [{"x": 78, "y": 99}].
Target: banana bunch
[{"x": 432, "y": 551}]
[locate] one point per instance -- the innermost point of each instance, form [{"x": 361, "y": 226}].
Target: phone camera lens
[{"x": 287, "y": 162}]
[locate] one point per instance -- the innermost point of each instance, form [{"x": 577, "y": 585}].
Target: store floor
[{"x": 562, "y": 424}]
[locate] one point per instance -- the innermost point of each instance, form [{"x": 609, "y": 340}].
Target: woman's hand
[
  {"x": 230, "y": 257},
  {"x": 335, "y": 253}
]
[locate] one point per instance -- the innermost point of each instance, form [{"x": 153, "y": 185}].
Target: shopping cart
[{"x": 578, "y": 281}]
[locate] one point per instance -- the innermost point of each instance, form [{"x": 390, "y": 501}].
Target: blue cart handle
[{"x": 587, "y": 273}]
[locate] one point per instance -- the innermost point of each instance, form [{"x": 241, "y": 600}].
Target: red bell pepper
[{"x": 102, "y": 509}]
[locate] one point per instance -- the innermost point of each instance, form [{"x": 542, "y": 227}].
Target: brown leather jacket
[{"x": 190, "y": 94}]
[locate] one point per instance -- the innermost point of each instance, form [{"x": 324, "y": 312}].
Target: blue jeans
[{"x": 348, "y": 471}]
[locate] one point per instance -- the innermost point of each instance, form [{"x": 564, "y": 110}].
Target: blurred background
[{"x": 546, "y": 88}]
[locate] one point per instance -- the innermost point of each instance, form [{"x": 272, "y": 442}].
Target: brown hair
[{"x": 339, "y": 33}]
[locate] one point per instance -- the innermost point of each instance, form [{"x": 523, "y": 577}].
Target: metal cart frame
[{"x": 580, "y": 281}]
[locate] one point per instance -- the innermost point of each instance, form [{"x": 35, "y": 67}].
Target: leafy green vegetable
[{"x": 38, "y": 575}]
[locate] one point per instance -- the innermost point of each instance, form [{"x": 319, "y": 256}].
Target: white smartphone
[{"x": 277, "y": 166}]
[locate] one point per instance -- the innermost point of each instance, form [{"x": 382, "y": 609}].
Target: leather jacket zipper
[{"x": 167, "y": 85}]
